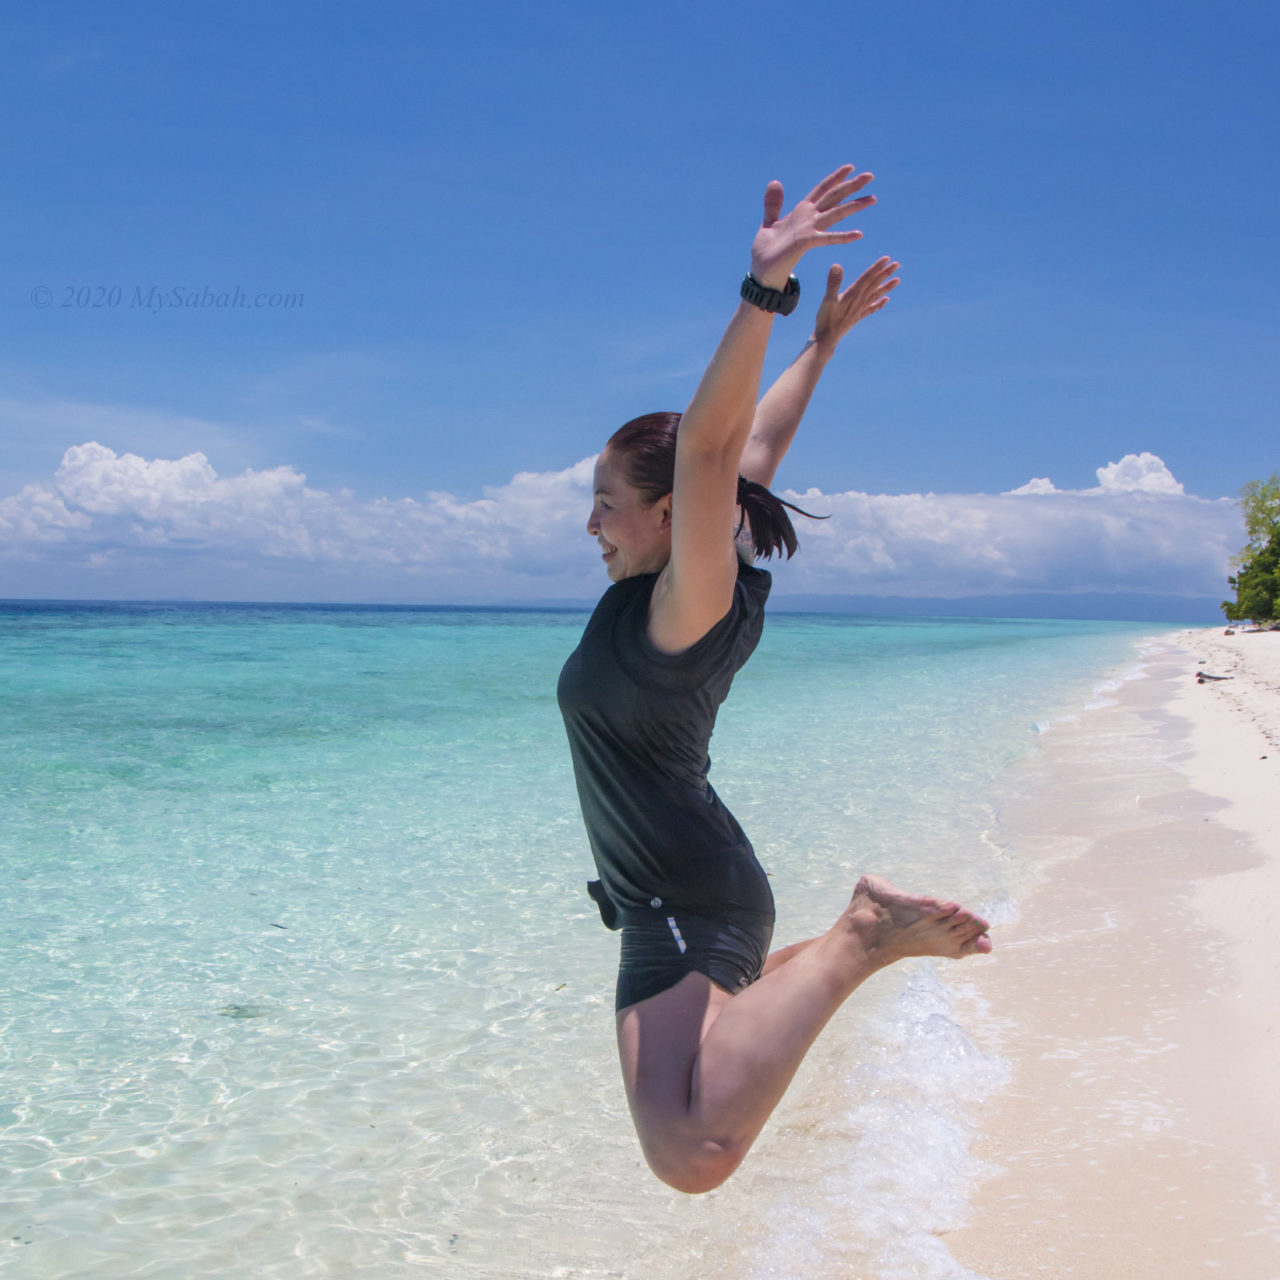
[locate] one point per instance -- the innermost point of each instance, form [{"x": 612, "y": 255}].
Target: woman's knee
[{"x": 694, "y": 1168}]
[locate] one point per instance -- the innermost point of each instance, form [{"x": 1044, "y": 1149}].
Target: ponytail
[{"x": 764, "y": 515}]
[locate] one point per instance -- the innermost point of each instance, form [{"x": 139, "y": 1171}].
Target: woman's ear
[{"x": 664, "y": 510}]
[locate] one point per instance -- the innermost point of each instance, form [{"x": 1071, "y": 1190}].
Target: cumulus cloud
[
  {"x": 1134, "y": 473},
  {"x": 1137, "y": 473},
  {"x": 123, "y": 521}
]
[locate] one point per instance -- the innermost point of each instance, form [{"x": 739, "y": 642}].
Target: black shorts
[{"x": 660, "y": 947}]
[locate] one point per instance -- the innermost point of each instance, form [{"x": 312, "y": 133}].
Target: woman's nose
[{"x": 593, "y": 522}]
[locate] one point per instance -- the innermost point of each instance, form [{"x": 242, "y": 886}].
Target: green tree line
[{"x": 1257, "y": 577}]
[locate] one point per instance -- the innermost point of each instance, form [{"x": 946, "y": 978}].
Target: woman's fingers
[
  {"x": 870, "y": 291},
  {"x": 874, "y": 296},
  {"x": 830, "y": 181},
  {"x": 874, "y": 278},
  {"x": 876, "y": 274},
  {"x": 829, "y": 217},
  {"x": 784, "y": 239},
  {"x": 831, "y": 238},
  {"x": 828, "y": 196},
  {"x": 841, "y": 190},
  {"x": 772, "y": 203}
]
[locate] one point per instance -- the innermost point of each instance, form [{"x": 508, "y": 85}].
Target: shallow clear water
[{"x": 300, "y": 979}]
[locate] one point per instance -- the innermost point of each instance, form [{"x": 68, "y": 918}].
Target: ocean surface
[{"x": 298, "y": 977}]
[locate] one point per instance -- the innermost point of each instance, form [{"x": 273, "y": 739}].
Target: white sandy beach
[{"x": 1138, "y": 996}]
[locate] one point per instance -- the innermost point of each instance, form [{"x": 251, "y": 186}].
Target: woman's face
[{"x": 634, "y": 538}]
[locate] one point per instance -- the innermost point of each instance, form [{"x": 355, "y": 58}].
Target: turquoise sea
[{"x": 300, "y": 980}]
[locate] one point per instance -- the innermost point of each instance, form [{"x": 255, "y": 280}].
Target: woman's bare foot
[{"x": 893, "y": 925}]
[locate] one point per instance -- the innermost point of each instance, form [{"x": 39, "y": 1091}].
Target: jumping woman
[{"x": 711, "y": 1027}]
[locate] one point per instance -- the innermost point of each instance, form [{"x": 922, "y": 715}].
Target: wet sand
[{"x": 1138, "y": 994}]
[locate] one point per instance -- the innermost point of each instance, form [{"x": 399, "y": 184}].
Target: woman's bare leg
[
  {"x": 704, "y": 1069},
  {"x": 783, "y": 954}
]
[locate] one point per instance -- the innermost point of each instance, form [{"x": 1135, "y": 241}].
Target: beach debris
[
  {"x": 278, "y": 926},
  {"x": 1202, "y": 676},
  {"x": 243, "y": 1011}
]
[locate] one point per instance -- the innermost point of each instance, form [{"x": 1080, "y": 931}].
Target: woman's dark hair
[{"x": 646, "y": 446}]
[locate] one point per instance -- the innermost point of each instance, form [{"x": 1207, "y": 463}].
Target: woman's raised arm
[
  {"x": 779, "y": 412},
  {"x": 695, "y": 589}
]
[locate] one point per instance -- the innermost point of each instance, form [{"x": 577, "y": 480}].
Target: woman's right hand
[{"x": 782, "y": 241}]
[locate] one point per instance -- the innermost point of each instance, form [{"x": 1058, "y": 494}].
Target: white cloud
[
  {"x": 1137, "y": 473},
  {"x": 1134, "y": 473},
  {"x": 120, "y": 509},
  {"x": 1040, "y": 540},
  {"x": 119, "y": 524}
]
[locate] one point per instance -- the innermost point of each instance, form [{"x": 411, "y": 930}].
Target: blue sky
[{"x": 512, "y": 227}]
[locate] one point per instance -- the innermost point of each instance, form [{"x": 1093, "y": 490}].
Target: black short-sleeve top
[{"x": 639, "y": 723}]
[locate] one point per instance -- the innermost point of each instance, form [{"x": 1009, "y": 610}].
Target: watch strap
[{"x": 781, "y": 301}]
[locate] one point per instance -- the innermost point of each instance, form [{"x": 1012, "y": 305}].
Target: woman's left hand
[
  {"x": 839, "y": 312},
  {"x": 782, "y": 241}
]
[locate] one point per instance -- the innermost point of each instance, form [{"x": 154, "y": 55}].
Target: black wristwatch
[{"x": 783, "y": 301}]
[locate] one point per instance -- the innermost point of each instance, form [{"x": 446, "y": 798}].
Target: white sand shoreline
[{"x": 1137, "y": 995}]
